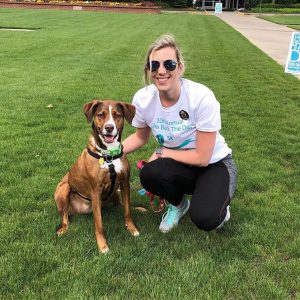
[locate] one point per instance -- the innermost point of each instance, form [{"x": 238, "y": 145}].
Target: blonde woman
[{"x": 192, "y": 157}]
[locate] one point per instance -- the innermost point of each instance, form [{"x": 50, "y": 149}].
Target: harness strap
[
  {"x": 111, "y": 168},
  {"x": 80, "y": 195},
  {"x": 113, "y": 176}
]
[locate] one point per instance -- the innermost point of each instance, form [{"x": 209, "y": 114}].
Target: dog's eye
[
  {"x": 101, "y": 115},
  {"x": 117, "y": 116}
]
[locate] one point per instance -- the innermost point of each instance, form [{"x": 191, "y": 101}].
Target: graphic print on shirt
[{"x": 174, "y": 134}]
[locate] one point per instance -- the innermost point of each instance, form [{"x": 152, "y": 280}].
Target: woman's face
[{"x": 166, "y": 81}]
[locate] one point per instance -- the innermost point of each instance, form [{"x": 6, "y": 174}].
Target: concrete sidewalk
[{"x": 271, "y": 38}]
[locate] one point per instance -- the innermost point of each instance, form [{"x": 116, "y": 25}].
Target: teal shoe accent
[{"x": 172, "y": 216}]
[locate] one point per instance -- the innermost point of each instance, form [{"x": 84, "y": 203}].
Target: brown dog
[{"x": 100, "y": 170}]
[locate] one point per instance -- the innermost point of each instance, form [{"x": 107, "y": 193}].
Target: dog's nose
[{"x": 109, "y": 127}]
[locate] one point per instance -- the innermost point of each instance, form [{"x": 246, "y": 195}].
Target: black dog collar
[{"x": 107, "y": 158}]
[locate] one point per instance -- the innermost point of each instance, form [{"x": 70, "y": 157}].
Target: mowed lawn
[
  {"x": 290, "y": 21},
  {"x": 73, "y": 57}
]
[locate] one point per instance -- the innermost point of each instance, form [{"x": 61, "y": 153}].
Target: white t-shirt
[{"x": 175, "y": 127}]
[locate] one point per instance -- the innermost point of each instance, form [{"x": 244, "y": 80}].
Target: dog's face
[{"x": 108, "y": 119}]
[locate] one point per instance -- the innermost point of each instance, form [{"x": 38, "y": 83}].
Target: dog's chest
[{"x": 118, "y": 165}]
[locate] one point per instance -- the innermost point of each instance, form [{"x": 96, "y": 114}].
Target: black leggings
[{"x": 209, "y": 187}]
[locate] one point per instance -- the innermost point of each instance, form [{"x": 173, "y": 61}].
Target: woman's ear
[{"x": 181, "y": 69}]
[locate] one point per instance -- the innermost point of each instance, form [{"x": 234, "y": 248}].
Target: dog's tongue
[{"x": 108, "y": 138}]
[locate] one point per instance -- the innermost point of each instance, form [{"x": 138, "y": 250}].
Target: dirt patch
[
  {"x": 15, "y": 29},
  {"x": 18, "y": 28}
]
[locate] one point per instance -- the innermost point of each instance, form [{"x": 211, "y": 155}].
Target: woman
[{"x": 192, "y": 158}]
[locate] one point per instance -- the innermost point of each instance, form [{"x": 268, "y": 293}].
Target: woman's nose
[{"x": 161, "y": 68}]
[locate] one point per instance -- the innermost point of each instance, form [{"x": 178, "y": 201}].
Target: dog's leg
[
  {"x": 96, "y": 205},
  {"x": 62, "y": 202},
  {"x": 125, "y": 192}
]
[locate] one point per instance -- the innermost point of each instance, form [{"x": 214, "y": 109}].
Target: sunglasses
[{"x": 169, "y": 64}]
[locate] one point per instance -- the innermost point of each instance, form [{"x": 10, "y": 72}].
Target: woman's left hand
[{"x": 152, "y": 157}]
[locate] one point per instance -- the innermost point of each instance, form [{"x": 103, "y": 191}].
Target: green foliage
[
  {"x": 280, "y": 5},
  {"x": 75, "y": 57},
  {"x": 287, "y": 3},
  {"x": 270, "y": 4},
  {"x": 174, "y": 3},
  {"x": 179, "y": 3},
  {"x": 285, "y": 10}
]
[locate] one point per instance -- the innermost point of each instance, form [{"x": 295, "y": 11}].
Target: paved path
[{"x": 271, "y": 38}]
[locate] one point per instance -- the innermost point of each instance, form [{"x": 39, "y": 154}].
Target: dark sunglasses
[{"x": 169, "y": 64}]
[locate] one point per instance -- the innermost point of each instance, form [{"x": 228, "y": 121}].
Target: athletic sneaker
[
  {"x": 226, "y": 219},
  {"x": 172, "y": 216}
]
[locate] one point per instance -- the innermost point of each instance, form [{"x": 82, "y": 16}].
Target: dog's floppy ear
[
  {"x": 90, "y": 108},
  {"x": 129, "y": 111}
]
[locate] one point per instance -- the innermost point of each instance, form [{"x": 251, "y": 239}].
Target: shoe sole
[{"x": 226, "y": 219}]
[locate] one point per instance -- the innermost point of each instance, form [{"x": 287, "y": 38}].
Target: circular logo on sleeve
[{"x": 183, "y": 115}]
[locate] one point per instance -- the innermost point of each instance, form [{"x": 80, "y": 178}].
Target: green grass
[
  {"x": 290, "y": 21},
  {"x": 75, "y": 57},
  {"x": 276, "y": 10}
]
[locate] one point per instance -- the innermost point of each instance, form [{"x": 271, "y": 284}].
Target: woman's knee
[
  {"x": 206, "y": 224},
  {"x": 205, "y": 219}
]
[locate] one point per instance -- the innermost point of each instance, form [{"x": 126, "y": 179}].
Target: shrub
[
  {"x": 173, "y": 3},
  {"x": 285, "y": 10},
  {"x": 269, "y": 4}
]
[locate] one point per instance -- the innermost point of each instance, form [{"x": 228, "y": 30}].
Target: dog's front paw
[
  {"x": 104, "y": 250},
  {"x": 131, "y": 228},
  {"x": 62, "y": 229},
  {"x": 134, "y": 231}
]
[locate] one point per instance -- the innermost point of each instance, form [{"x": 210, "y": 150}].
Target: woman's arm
[
  {"x": 136, "y": 140},
  {"x": 196, "y": 157}
]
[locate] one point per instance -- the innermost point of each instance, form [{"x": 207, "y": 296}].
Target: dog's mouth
[{"x": 108, "y": 138}]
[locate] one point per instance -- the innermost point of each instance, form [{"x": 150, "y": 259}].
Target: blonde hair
[{"x": 164, "y": 41}]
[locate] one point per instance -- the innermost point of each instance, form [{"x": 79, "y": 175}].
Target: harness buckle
[{"x": 109, "y": 159}]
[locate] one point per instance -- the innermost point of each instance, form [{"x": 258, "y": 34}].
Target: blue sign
[
  {"x": 293, "y": 61},
  {"x": 218, "y": 7}
]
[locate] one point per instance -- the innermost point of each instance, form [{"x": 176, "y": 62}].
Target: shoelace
[{"x": 170, "y": 214}]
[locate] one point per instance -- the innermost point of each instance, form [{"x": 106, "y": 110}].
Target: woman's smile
[{"x": 162, "y": 80}]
